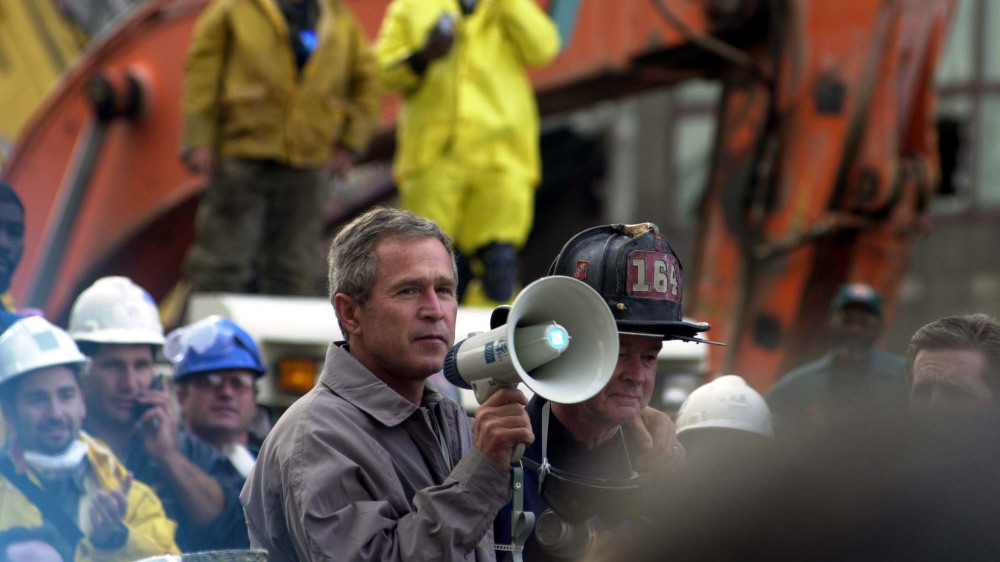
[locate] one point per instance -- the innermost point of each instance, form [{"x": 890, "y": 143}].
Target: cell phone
[{"x": 141, "y": 409}]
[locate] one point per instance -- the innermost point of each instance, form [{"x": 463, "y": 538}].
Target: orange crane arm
[{"x": 825, "y": 152}]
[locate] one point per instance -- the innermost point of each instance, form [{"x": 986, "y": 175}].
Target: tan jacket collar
[{"x": 349, "y": 379}]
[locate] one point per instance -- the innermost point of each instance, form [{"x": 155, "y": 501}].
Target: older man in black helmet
[{"x": 590, "y": 457}]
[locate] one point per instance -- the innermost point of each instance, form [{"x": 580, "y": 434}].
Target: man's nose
[
  {"x": 430, "y": 306},
  {"x": 226, "y": 389},
  {"x": 7, "y": 241},
  {"x": 129, "y": 380},
  {"x": 57, "y": 409},
  {"x": 630, "y": 369}
]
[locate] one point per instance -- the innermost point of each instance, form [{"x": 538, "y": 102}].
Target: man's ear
[
  {"x": 348, "y": 312},
  {"x": 182, "y": 394},
  {"x": 7, "y": 408}
]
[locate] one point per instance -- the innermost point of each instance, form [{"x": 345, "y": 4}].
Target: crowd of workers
[
  {"x": 376, "y": 464},
  {"x": 108, "y": 458}
]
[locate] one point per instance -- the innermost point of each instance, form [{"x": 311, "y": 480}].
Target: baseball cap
[{"x": 858, "y": 293}]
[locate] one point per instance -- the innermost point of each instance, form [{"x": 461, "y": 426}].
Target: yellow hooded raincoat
[{"x": 473, "y": 109}]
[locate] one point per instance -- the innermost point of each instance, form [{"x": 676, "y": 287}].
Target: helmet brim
[
  {"x": 677, "y": 330},
  {"x": 123, "y": 336}
]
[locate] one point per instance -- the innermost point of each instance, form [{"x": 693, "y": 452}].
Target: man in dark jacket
[
  {"x": 853, "y": 378},
  {"x": 116, "y": 324},
  {"x": 592, "y": 461}
]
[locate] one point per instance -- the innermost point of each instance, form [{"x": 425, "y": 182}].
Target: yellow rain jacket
[
  {"x": 476, "y": 103},
  {"x": 243, "y": 95},
  {"x": 149, "y": 531}
]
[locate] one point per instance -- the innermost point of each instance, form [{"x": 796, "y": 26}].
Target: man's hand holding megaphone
[{"x": 502, "y": 424}]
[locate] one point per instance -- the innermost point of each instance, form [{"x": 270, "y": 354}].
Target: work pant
[
  {"x": 263, "y": 213},
  {"x": 474, "y": 207}
]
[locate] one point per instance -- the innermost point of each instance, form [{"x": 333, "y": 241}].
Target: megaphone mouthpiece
[
  {"x": 537, "y": 345},
  {"x": 498, "y": 356}
]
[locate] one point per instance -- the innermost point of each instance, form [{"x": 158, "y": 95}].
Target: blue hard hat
[{"x": 212, "y": 344}]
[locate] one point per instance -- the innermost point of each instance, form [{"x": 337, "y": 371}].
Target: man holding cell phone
[{"x": 116, "y": 324}]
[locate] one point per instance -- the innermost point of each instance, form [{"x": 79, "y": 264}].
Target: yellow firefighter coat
[
  {"x": 149, "y": 531},
  {"x": 243, "y": 95}
]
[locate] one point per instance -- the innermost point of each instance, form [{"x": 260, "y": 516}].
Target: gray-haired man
[{"x": 374, "y": 464}]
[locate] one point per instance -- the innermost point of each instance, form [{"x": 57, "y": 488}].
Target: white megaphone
[{"x": 560, "y": 340}]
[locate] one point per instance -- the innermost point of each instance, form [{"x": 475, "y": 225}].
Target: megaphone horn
[{"x": 560, "y": 340}]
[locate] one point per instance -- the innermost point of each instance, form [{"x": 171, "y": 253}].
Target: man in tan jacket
[
  {"x": 373, "y": 463},
  {"x": 278, "y": 95}
]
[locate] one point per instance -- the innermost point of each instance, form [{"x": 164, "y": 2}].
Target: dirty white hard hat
[
  {"x": 115, "y": 310},
  {"x": 727, "y": 402},
  {"x": 33, "y": 343}
]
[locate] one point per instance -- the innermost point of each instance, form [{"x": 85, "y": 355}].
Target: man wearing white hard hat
[
  {"x": 115, "y": 322},
  {"x": 54, "y": 473},
  {"x": 724, "y": 416}
]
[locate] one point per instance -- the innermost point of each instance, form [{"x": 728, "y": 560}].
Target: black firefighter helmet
[{"x": 634, "y": 269}]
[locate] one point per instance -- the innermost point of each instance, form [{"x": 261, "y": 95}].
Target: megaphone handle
[
  {"x": 485, "y": 388},
  {"x": 518, "y": 453}
]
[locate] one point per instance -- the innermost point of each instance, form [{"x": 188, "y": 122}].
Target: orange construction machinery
[{"x": 825, "y": 157}]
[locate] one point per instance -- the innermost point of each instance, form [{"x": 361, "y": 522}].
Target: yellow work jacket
[
  {"x": 245, "y": 97},
  {"x": 475, "y": 104},
  {"x": 149, "y": 531}
]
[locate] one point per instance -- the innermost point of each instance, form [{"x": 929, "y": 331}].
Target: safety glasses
[{"x": 239, "y": 382}]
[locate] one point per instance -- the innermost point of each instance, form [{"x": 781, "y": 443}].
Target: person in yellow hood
[
  {"x": 54, "y": 473},
  {"x": 467, "y": 152},
  {"x": 278, "y": 95}
]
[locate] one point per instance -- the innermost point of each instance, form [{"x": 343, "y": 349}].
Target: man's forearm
[{"x": 200, "y": 495}]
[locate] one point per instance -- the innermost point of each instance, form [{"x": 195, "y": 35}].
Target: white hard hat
[
  {"x": 33, "y": 343},
  {"x": 115, "y": 310},
  {"x": 728, "y": 402}
]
